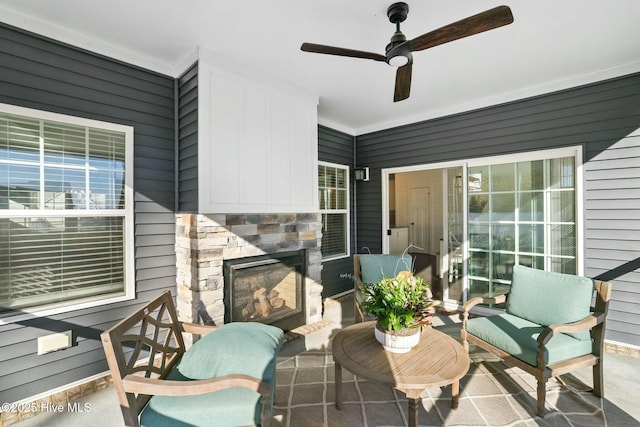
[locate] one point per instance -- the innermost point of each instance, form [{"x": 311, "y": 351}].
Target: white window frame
[
  {"x": 129, "y": 251},
  {"x": 346, "y": 212}
]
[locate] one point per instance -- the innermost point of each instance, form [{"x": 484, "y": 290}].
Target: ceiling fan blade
[
  {"x": 483, "y": 21},
  {"x": 403, "y": 82},
  {"x": 332, "y": 50}
]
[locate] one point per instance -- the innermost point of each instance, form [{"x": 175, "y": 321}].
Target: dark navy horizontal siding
[
  {"x": 337, "y": 147},
  {"x": 600, "y": 117},
  {"x": 39, "y": 73},
  {"x": 188, "y": 141}
]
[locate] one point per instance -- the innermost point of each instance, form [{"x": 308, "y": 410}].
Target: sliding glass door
[
  {"x": 520, "y": 213},
  {"x": 490, "y": 214}
]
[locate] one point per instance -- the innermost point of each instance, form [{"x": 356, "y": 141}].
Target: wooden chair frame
[
  {"x": 142, "y": 349},
  {"x": 595, "y": 322},
  {"x": 358, "y": 311}
]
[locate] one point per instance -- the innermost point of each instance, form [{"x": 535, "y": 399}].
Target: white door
[
  {"x": 398, "y": 240},
  {"x": 420, "y": 219}
]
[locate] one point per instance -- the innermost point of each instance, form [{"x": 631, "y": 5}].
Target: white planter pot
[{"x": 398, "y": 342}]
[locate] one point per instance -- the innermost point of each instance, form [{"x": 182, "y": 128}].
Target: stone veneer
[{"x": 204, "y": 241}]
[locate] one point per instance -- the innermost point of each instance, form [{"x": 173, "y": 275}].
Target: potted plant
[{"x": 401, "y": 306}]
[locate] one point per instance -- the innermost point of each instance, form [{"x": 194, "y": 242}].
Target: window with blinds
[
  {"x": 333, "y": 183},
  {"x": 65, "y": 211}
]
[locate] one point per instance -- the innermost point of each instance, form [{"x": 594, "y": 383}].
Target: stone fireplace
[{"x": 273, "y": 259}]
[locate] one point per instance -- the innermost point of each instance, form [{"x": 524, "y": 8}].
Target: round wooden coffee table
[{"x": 438, "y": 360}]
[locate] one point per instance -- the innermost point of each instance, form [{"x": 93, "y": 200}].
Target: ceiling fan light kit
[
  {"x": 398, "y": 53},
  {"x": 398, "y": 61}
]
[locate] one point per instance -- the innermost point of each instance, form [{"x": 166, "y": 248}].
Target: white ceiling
[{"x": 551, "y": 45}]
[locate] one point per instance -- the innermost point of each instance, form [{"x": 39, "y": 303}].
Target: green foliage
[{"x": 399, "y": 302}]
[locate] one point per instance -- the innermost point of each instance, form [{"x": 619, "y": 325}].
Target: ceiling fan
[{"x": 398, "y": 51}]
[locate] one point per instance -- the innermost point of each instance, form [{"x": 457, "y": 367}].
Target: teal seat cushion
[
  {"x": 248, "y": 348},
  {"x": 375, "y": 267},
  {"x": 225, "y": 408},
  {"x": 518, "y": 337},
  {"x": 545, "y": 297}
]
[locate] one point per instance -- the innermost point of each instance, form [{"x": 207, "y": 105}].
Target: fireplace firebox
[{"x": 266, "y": 288}]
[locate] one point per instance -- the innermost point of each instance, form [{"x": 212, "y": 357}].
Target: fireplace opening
[{"x": 266, "y": 288}]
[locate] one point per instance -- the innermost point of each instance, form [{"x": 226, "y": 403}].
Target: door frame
[
  {"x": 443, "y": 166},
  {"x": 385, "y": 190}
]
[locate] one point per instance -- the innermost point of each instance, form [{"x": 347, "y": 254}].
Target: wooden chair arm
[
  {"x": 552, "y": 330},
  {"x": 466, "y": 308},
  {"x": 153, "y": 386},
  {"x": 196, "y": 329},
  {"x": 583, "y": 324},
  {"x": 499, "y": 299}
]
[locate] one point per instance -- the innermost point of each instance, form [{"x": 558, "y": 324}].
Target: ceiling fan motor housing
[{"x": 398, "y": 47}]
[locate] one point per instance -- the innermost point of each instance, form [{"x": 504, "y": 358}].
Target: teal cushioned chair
[
  {"x": 371, "y": 268},
  {"x": 549, "y": 327},
  {"x": 227, "y": 378}
]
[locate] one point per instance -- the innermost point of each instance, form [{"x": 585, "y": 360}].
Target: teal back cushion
[
  {"x": 248, "y": 348},
  {"x": 545, "y": 297},
  {"x": 375, "y": 267}
]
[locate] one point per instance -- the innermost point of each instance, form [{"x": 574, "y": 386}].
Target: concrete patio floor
[{"x": 622, "y": 382}]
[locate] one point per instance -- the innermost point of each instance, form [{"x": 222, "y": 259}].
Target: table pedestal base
[{"x": 413, "y": 396}]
